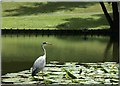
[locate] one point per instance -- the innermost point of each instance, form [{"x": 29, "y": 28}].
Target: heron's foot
[
  {"x": 39, "y": 83},
  {"x": 35, "y": 78}
]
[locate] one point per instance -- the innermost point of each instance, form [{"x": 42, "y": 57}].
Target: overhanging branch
[{"x": 109, "y": 19}]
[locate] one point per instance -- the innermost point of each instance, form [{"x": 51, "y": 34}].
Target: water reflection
[
  {"x": 112, "y": 43},
  {"x": 19, "y": 52}
]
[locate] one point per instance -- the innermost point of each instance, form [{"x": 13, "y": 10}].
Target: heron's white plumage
[{"x": 40, "y": 62}]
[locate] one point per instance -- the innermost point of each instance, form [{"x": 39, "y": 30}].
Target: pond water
[{"x": 19, "y": 53}]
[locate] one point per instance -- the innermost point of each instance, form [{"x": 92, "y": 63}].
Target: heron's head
[{"x": 46, "y": 43}]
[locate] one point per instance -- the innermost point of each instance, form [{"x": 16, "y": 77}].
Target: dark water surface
[{"x": 19, "y": 53}]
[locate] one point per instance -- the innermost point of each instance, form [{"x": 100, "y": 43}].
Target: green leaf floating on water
[{"x": 68, "y": 73}]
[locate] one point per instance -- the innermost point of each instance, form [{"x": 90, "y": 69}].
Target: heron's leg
[
  {"x": 42, "y": 75},
  {"x": 39, "y": 81},
  {"x": 43, "y": 78}
]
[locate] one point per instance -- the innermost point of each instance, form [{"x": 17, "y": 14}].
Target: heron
[{"x": 40, "y": 62}]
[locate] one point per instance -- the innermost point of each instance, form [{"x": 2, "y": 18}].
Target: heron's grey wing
[
  {"x": 34, "y": 71},
  {"x": 38, "y": 65},
  {"x": 40, "y": 62}
]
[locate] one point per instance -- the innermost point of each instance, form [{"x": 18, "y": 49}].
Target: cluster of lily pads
[{"x": 68, "y": 73}]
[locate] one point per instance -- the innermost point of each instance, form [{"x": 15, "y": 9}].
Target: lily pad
[{"x": 68, "y": 73}]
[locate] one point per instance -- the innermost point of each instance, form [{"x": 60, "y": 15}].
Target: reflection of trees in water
[
  {"x": 83, "y": 38},
  {"x": 112, "y": 43}
]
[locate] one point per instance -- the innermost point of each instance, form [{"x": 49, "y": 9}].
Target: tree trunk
[
  {"x": 115, "y": 17},
  {"x": 114, "y": 23},
  {"x": 109, "y": 19}
]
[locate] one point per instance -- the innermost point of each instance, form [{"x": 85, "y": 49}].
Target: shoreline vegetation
[{"x": 102, "y": 32}]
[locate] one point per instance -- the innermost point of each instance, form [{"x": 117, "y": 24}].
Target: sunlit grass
[
  {"x": 26, "y": 15},
  {"x": 53, "y": 22},
  {"x": 35, "y": 8}
]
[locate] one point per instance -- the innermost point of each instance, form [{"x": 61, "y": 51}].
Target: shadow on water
[
  {"x": 47, "y": 7},
  {"x": 81, "y": 38},
  {"x": 114, "y": 44}
]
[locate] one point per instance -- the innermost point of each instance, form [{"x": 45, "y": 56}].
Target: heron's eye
[{"x": 44, "y": 42}]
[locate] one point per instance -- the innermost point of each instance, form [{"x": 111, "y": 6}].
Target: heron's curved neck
[{"x": 44, "y": 51}]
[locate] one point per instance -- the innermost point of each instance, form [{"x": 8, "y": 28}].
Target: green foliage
[{"x": 69, "y": 74}]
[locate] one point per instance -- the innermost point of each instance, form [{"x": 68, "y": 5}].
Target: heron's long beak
[{"x": 49, "y": 44}]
